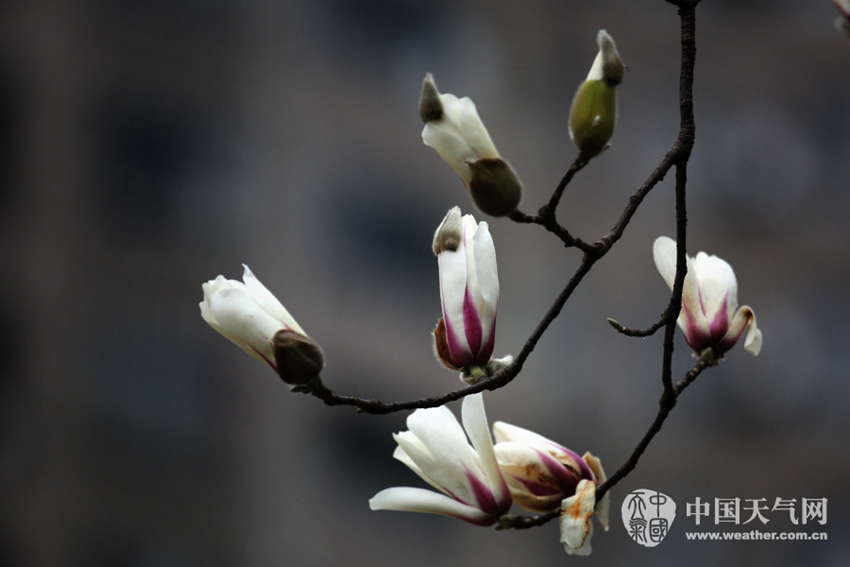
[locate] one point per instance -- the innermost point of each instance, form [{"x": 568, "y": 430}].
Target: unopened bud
[
  {"x": 450, "y": 232},
  {"x": 494, "y": 186},
  {"x": 594, "y": 111},
  {"x": 298, "y": 358},
  {"x": 430, "y": 107}
]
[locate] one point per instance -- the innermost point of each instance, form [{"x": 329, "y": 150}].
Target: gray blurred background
[{"x": 147, "y": 146}]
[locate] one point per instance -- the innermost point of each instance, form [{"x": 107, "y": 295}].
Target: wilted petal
[
  {"x": 576, "y": 527},
  {"x": 603, "y": 508}
]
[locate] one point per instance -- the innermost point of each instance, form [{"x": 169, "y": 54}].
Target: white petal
[
  {"x": 451, "y": 146},
  {"x": 453, "y": 284},
  {"x": 664, "y": 254},
  {"x": 474, "y": 132},
  {"x": 717, "y": 285},
  {"x": 487, "y": 277},
  {"x": 505, "y": 432},
  {"x": 244, "y": 322},
  {"x": 269, "y": 302},
  {"x": 409, "y": 499},
  {"x": 441, "y": 451}
]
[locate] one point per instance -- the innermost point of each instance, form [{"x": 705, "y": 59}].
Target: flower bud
[
  {"x": 594, "y": 110},
  {"x": 454, "y": 129},
  {"x": 250, "y": 316},
  {"x": 469, "y": 291},
  {"x": 494, "y": 186},
  {"x": 298, "y": 358}
]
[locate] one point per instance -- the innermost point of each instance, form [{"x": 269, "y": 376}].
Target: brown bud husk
[
  {"x": 298, "y": 358},
  {"x": 450, "y": 232},
  {"x": 430, "y": 107},
  {"x": 494, "y": 186},
  {"x": 441, "y": 346}
]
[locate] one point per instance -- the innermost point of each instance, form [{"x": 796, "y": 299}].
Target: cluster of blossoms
[{"x": 477, "y": 480}]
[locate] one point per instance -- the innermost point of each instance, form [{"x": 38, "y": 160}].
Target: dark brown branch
[{"x": 497, "y": 380}]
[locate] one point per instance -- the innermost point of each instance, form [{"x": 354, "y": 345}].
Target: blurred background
[{"x": 147, "y": 146}]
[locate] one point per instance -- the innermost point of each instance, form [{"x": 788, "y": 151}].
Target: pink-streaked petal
[
  {"x": 505, "y": 432},
  {"x": 453, "y": 285},
  {"x": 408, "y": 499},
  {"x": 475, "y": 423},
  {"x": 537, "y": 472},
  {"x": 743, "y": 317},
  {"x": 718, "y": 288},
  {"x": 692, "y": 319},
  {"x": 482, "y": 493}
]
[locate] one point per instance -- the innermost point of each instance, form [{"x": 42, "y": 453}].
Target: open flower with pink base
[
  {"x": 465, "y": 472},
  {"x": 710, "y": 317}
]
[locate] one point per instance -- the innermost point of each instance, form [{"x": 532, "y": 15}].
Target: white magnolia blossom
[
  {"x": 469, "y": 290},
  {"x": 247, "y": 314},
  {"x": 710, "y": 316},
  {"x": 454, "y": 129},
  {"x": 436, "y": 448},
  {"x": 539, "y": 472},
  {"x": 457, "y": 132}
]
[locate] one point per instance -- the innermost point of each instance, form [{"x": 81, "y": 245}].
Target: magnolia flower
[
  {"x": 453, "y": 128},
  {"x": 469, "y": 291},
  {"x": 594, "y": 110},
  {"x": 843, "y": 21},
  {"x": 540, "y": 473},
  {"x": 468, "y": 478},
  {"x": 251, "y": 317},
  {"x": 710, "y": 316}
]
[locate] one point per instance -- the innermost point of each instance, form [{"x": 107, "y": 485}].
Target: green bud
[
  {"x": 593, "y": 117},
  {"x": 494, "y": 186},
  {"x": 298, "y": 358},
  {"x": 594, "y": 111}
]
